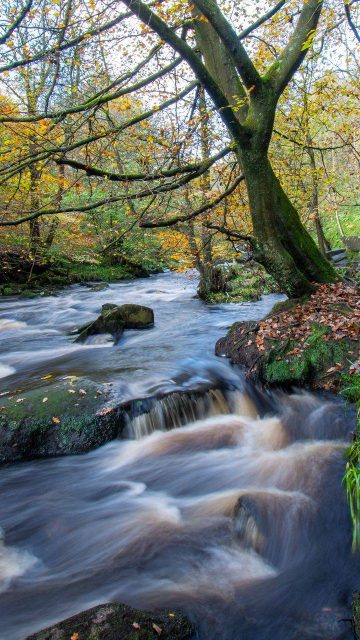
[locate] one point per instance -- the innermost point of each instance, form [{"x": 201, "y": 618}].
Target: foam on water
[
  {"x": 13, "y": 563},
  {"x": 6, "y": 370}
]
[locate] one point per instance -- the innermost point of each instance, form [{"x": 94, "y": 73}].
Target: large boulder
[
  {"x": 119, "y": 622},
  {"x": 114, "y": 319}
]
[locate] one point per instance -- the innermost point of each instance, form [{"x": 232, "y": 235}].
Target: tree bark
[{"x": 284, "y": 247}]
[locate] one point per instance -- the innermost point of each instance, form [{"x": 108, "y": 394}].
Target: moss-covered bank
[
  {"x": 244, "y": 282},
  {"x": 310, "y": 342},
  {"x": 21, "y": 275}
]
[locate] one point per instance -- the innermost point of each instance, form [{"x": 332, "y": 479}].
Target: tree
[{"x": 245, "y": 95}]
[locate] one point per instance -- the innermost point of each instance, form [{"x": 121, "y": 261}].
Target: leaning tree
[{"x": 198, "y": 37}]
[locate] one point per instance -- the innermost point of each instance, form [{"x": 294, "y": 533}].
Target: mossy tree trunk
[{"x": 283, "y": 245}]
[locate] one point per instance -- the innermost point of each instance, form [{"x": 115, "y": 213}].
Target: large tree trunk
[{"x": 284, "y": 246}]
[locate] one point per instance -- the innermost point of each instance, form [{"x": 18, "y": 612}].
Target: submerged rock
[
  {"x": 114, "y": 319},
  {"x": 119, "y": 622}
]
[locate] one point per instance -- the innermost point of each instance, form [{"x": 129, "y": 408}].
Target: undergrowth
[{"x": 351, "y": 478}]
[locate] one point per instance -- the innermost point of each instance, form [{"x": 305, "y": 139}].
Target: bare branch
[
  {"x": 24, "y": 62},
  {"x": 23, "y": 13},
  {"x": 267, "y": 16},
  {"x": 231, "y": 233},
  {"x": 190, "y": 216}
]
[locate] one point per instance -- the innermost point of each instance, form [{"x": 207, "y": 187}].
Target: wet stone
[{"x": 119, "y": 622}]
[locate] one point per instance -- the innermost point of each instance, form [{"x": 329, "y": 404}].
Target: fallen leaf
[
  {"x": 56, "y": 420},
  {"x": 82, "y": 392},
  {"x": 136, "y": 625},
  {"x": 75, "y": 636},
  {"x": 157, "y": 629},
  {"x": 45, "y": 399},
  {"x": 49, "y": 375},
  {"x": 104, "y": 411}
]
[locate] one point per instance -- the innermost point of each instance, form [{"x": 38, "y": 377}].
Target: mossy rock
[
  {"x": 315, "y": 364},
  {"x": 114, "y": 319},
  {"x": 119, "y": 622},
  {"x": 245, "y": 282},
  {"x": 66, "y": 417}
]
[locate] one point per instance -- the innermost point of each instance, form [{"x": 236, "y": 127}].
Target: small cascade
[
  {"x": 225, "y": 503},
  {"x": 178, "y": 409}
]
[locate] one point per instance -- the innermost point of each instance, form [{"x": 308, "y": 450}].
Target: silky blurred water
[{"x": 238, "y": 519}]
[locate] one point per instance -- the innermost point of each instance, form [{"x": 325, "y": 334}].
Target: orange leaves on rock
[{"x": 75, "y": 636}]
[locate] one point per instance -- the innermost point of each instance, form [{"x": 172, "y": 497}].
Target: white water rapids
[{"x": 238, "y": 517}]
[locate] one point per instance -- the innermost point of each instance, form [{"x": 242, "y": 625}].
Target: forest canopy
[{"x": 221, "y": 127}]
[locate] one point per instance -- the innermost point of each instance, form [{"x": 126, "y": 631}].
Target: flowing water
[{"x": 237, "y": 516}]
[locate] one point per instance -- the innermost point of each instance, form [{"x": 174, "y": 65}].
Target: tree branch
[
  {"x": 23, "y": 13},
  {"x": 267, "y": 16},
  {"x": 230, "y": 39},
  {"x": 142, "y": 11},
  {"x": 350, "y": 20},
  {"x": 306, "y": 146},
  {"x": 132, "y": 177},
  {"x": 294, "y": 53},
  {"x": 231, "y": 233},
  {"x": 98, "y": 101},
  {"x": 47, "y": 153},
  {"x": 190, "y": 216}
]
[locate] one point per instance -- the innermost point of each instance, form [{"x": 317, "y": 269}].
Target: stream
[{"x": 237, "y": 518}]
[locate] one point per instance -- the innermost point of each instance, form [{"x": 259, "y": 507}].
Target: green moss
[
  {"x": 356, "y": 614},
  {"x": 245, "y": 283},
  {"x": 312, "y": 365}
]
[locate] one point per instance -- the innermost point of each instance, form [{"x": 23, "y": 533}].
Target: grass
[{"x": 351, "y": 478}]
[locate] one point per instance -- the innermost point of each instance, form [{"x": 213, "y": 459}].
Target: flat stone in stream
[
  {"x": 114, "y": 319},
  {"x": 68, "y": 416},
  {"x": 119, "y": 622}
]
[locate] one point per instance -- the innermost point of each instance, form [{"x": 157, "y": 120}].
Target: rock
[
  {"x": 100, "y": 286},
  {"x": 66, "y": 417},
  {"x": 119, "y": 622},
  {"x": 71, "y": 417},
  {"x": 114, "y": 319},
  {"x": 108, "y": 306}
]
